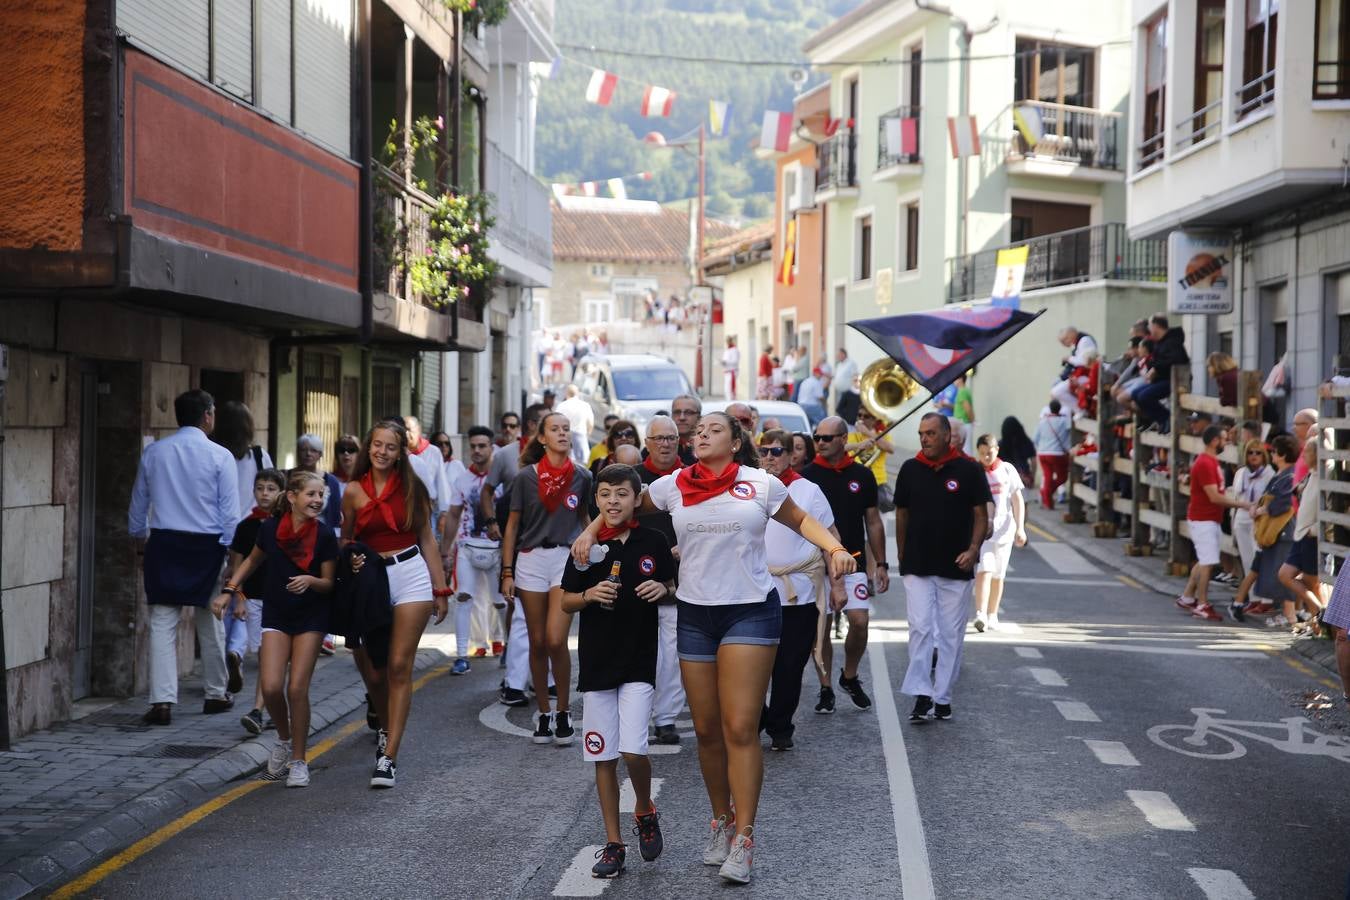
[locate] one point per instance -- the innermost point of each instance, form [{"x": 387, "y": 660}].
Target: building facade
[{"x": 740, "y": 267}]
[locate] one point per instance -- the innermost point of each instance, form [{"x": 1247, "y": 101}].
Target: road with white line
[{"x": 1091, "y": 755}]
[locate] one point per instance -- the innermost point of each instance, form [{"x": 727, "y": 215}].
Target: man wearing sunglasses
[
  {"x": 510, "y": 430},
  {"x": 851, "y": 491}
]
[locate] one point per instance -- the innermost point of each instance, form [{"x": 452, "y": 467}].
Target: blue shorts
[
  {"x": 702, "y": 629},
  {"x": 1303, "y": 555}
]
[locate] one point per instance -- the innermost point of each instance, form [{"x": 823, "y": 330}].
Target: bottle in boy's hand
[{"x": 612, "y": 578}]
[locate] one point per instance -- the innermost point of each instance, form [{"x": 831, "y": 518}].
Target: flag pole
[{"x": 891, "y": 427}]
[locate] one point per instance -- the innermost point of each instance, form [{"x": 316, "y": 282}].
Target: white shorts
[
  {"x": 409, "y": 581},
  {"x": 541, "y": 568},
  {"x": 994, "y": 556},
  {"x": 1205, "y": 536},
  {"x": 614, "y": 722},
  {"x": 855, "y": 590}
]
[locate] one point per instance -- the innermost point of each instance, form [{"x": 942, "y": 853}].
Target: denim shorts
[
  {"x": 1303, "y": 555},
  {"x": 702, "y": 629}
]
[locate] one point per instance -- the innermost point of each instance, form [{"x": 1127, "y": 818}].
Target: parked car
[
  {"x": 792, "y": 416},
  {"x": 631, "y": 386}
]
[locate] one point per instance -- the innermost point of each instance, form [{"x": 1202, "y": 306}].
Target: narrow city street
[{"x": 1074, "y": 766}]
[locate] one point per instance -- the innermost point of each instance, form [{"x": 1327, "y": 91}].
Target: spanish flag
[{"x": 789, "y": 246}]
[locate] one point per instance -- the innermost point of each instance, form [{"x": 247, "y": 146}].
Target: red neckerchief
[
  {"x": 952, "y": 453},
  {"x": 258, "y": 513},
  {"x": 789, "y": 475},
  {"x": 422, "y": 444},
  {"x": 298, "y": 544},
  {"x": 523, "y": 441},
  {"x": 650, "y": 467},
  {"x": 833, "y": 467},
  {"x": 993, "y": 465},
  {"x": 698, "y": 482},
  {"x": 608, "y": 534},
  {"x": 476, "y": 472},
  {"x": 553, "y": 482},
  {"x": 380, "y": 504}
]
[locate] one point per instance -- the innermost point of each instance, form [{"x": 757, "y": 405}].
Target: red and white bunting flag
[
  {"x": 832, "y": 125},
  {"x": 776, "y": 131},
  {"x": 589, "y": 188},
  {"x": 965, "y": 136},
  {"x": 616, "y": 189},
  {"x": 645, "y": 176},
  {"x": 657, "y": 101},
  {"x": 601, "y": 88}
]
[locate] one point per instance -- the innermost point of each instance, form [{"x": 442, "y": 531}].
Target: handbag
[{"x": 1267, "y": 528}]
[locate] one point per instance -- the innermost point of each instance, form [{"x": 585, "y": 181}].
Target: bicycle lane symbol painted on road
[{"x": 1211, "y": 737}]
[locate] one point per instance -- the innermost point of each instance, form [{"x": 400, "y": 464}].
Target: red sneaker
[
  {"x": 1186, "y": 603},
  {"x": 498, "y": 648},
  {"x": 1207, "y": 612},
  {"x": 481, "y": 651},
  {"x": 1259, "y": 608}
]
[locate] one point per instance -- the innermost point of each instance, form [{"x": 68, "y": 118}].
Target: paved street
[{"x": 1054, "y": 779}]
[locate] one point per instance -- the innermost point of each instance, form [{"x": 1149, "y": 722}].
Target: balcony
[
  {"x": 1074, "y": 142},
  {"x": 898, "y": 143},
  {"x": 1095, "y": 253},
  {"x": 522, "y": 238},
  {"x": 837, "y": 167}
]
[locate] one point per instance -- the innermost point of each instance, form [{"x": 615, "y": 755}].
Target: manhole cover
[
  {"x": 122, "y": 720},
  {"x": 185, "y": 751}
]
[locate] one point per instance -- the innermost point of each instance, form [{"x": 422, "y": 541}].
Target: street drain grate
[
  {"x": 185, "y": 751},
  {"x": 120, "y": 720}
]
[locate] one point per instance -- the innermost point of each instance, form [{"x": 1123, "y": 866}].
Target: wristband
[
  {"x": 885, "y": 567},
  {"x": 229, "y": 588},
  {"x": 511, "y": 569},
  {"x": 442, "y": 592},
  {"x": 839, "y": 550}
]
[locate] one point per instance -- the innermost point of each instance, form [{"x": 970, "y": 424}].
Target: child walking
[
  {"x": 243, "y": 636},
  {"x": 301, "y": 558},
  {"x": 616, "y": 651}
]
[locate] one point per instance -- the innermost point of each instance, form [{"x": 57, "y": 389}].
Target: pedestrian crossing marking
[
  {"x": 1028, "y": 653},
  {"x": 576, "y": 881},
  {"x": 1064, "y": 559},
  {"x": 628, "y": 799},
  {"x": 1220, "y": 884}
]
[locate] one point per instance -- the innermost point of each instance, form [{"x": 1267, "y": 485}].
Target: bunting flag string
[
  {"x": 776, "y": 131},
  {"x": 657, "y": 101},
  {"x": 719, "y": 118},
  {"x": 965, "y": 136},
  {"x": 616, "y": 189},
  {"x": 600, "y": 90},
  {"x": 616, "y": 186}
]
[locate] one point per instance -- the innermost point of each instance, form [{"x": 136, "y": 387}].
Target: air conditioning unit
[{"x": 804, "y": 197}]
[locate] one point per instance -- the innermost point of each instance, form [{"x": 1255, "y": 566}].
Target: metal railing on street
[
  {"x": 1074, "y": 134},
  {"x": 404, "y": 212},
  {"x": 521, "y": 205},
  {"x": 838, "y": 165}
]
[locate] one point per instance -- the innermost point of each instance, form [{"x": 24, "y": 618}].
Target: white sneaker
[
  {"x": 992, "y": 624},
  {"x": 281, "y": 755},
  {"x": 299, "y": 776},
  {"x": 737, "y": 866},
  {"x": 980, "y": 622},
  {"x": 1277, "y": 621},
  {"x": 719, "y": 842}
]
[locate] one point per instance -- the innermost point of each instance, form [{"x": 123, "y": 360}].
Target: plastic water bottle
[{"x": 598, "y": 552}]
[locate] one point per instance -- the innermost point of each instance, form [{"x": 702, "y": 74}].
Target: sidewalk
[
  {"x": 1148, "y": 571},
  {"x": 76, "y": 791}
]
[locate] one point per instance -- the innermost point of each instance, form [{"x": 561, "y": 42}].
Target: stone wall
[{"x": 573, "y": 284}]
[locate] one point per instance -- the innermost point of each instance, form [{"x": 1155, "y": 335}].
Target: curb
[{"x": 73, "y": 853}]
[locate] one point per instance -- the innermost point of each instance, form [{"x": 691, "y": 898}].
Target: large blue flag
[{"x": 936, "y": 346}]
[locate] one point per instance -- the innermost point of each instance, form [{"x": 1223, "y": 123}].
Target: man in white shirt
[
  {"x": 731, "y": 364},
  {"x": 582, "y": 419},
  {"x": 811, "y": 397},
  {"x": 428, "y": 463},
  {"x": 471, "y": 552},
  {"x": 845, "y": 374},
  {"x": 1082, "y": 350},
  {"x": 185, "y": 504}
]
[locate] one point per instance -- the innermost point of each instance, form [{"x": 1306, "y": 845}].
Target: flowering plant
[{"x": 476, "y": 12}]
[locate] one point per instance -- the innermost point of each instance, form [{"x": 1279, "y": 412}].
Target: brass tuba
[{"x": 884, "y": 388}]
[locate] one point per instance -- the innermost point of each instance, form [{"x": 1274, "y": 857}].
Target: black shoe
[
  {"x": 611, "y": 861},
  {"x": 252, "y": 721},
  {"x": 383, "y": 776},
  {"x": 372, "y": 720},
  {"x": 219, "y": 705},
  {"x": 825, "y": 705},
  {"x": 648, "y": 831},
  {"x": 942, "y": 712},
  {"x": 543, "y": 734},
  {"x": 853, "y": 687},
  {"x": 234, "y": 665},
  {"x": 781, "y": 742},
  {"x": 562, "y": 729},
  {"x": 922, "y": 707},
  {"x": 512, "y": 697},
  {"x": 666, "y": 734},
  {"x": 157, "y": 715},
  {"x": 1238, "y": 611}
]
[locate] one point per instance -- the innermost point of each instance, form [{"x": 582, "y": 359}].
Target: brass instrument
[{"x": 884, "y": 388}]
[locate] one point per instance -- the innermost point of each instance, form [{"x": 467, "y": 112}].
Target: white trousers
[
  {"x": 937, "y": 613},
  {"x": 669, "y": 702},
  {"x": 518, "y": 652},
  {"x": 164, "y": 652},
  {"x": 476, "y": 619},
  {"x": 1068, "y": 400}
]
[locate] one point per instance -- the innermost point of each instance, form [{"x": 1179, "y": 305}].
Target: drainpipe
[
  {"x": 4, "y": 679},
  {"x": 366, "y": 222}
]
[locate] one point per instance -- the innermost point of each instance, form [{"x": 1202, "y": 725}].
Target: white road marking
[
  {"x": 1064, "y": 559},
  {"x": 1047, "y": 677},
  {"x": 1074, "y": 711},
  {"x": 576, "y": 881},
  {"x": 916, "y": 877},
  {"x": 1220, "y": 884},
  {"x": 1005, "y": 627},
  {"x": 1113, "y": 753},
  {"x": 628, "y": 799},
  {"x": 1028, "y": 652},
  {"x": 1073, "y": 582},
  {"x": 1160, "y": 811}
]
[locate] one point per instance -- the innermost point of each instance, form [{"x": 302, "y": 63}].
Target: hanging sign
[{"x": 1200, "y": 272}]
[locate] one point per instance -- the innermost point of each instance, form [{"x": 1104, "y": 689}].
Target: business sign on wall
[{"x": 1200, "y": 272}]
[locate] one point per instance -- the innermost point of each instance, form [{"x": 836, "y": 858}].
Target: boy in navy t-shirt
[{"x": 244, "y": 636}]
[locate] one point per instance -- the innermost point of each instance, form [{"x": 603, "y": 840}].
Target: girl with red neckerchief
[
  {"x": 301, "y": 558},
  {"x": 386, "y": 507},
  {"x": 730, "y": 618},
  {"x": 549, "y": 499}
]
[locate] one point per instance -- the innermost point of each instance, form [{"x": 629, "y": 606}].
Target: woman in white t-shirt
[
  {"x": 1009, "y": 527},
  {"x": 730, "y": 617}
]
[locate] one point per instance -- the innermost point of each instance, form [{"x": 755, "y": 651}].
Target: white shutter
[
  {"x": 232, "y": 34},
  {"x": 323, "y": 80},
  {"x": 274, "y": 63},
  {"x": 176, "y": 30}
]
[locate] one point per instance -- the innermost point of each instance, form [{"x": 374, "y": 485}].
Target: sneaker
[
  {"x": 1277, "y": 621},
  {"x": 942, "y": 711},
  {"x": 853, "y": 687},
  {"x": 1238, "y": 611},
  {"x": 512, "y": 697},
  {"x": 381, "y": 742},
  {"x": 611, "y": 858},
  {"x": 648, "y": 831},
  {"x": 736, "y": 868},
  {"x": 372, "y": 720},
  {"x": 992, "y": 622},
  {"x": 1186, "y": 603},
  {"x": 481, "y": 651},
  {"x": 979, "y": 622},
  {"x": 325, "y": 649},
  {"x": 281, "y": 755},
  {"x": 461, "y": 667},
  {"x": 543, "y": 734},
  {"x": 252, "y": 721},
  {"x": 825, "y": 705},
  {"x": 1259, "y": 608},
  {"x": 562, "y": 729},
  {"x": 234, "y": 665},
  {"x": 299, "y": 776},
  {"x": 383, "y": 776},
  {"x": 1207, "y": 612},
  {"x": 922, "y": 707},
  {"x": 666, "y": 734},
  {"x": 1303, "y": 615},
  {"x": 780, "y": 743},
  {"x": 1222, "y": 578},
  {"x": 719, "y": 842},
  {"x": 498, "y": 648}
]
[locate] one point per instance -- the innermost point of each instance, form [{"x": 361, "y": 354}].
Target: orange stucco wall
[
  {"x": 42, "y": 124},
  {"x": 805, "y": 294}
]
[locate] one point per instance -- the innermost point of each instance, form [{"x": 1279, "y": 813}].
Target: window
[
  {"x": 599, "y": 310},
  {"x": 862, "y": 238},
  {"x": 1208, "y": 106},
  {"x": 1226, "y": 342},
  {"x": 1331, "y": 74},
  {"x": 1155, "y": 91},
  {"x": 916, "y": 76},
  {"x": 1035, "y": 218},
  {"x": 1055, "y": 73},
  {"x": 791, "y": 180},
  {"x": 599, "y": 271},
  {"x": 1258, "y": 56},
  {"x": 911, "y": 235},
  {"x": 386, "y": 391}
]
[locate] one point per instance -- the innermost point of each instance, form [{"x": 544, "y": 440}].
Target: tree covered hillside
[{"x": 579, "y": 141}]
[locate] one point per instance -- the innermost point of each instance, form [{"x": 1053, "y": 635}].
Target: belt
[{"x": 402, "y": 557}]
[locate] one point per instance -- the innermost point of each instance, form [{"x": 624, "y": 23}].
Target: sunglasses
[
  {"x": 626, "y": 433},
  {"x": 825, "y": 438},
  {"x": 349, "y": 449},
  {"x": 775, "y": 452}
]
